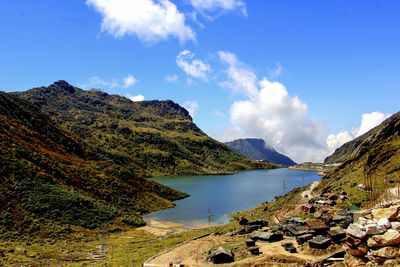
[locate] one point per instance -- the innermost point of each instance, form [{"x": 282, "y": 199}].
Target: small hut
[{"x": 221, "y": 255}]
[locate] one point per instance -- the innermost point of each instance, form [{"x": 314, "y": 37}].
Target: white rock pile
[{"x": 374, "y": 238}]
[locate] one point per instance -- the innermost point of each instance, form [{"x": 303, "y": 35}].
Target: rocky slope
[
  {"x": 50, "y": 178},
  {"x": 375, "y": 155},
  {"x": 156, "y": 137},
  {"x": 258, "y": 150}
]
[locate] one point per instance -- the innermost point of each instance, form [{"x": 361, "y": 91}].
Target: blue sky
[{"x": 306, "y": 76}]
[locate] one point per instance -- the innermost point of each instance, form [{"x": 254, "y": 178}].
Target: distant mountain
[
  {"x": 154, "y": 137},
  {"x": 257, "y": 149}
]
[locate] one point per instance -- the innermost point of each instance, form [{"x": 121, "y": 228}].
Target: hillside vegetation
[
  {"x": 257, "y": 149},
  {"x": 376, "y": 153},
  {"x": 155, "y": 137},
  {"x": 50, "y": 175}
]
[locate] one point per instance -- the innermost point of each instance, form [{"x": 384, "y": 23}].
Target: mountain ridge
[
  {"x": 158, "y": 137},
  {"x": 257, "y": 149}
]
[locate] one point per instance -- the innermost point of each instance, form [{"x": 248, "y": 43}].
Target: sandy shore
[{"x": 162, "y": 228}]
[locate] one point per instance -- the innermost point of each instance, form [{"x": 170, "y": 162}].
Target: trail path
[{"x": 309, "y": 192}]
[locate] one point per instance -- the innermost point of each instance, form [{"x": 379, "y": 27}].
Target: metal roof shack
[
  {"x": 303, "y": 238},
  {"x": 318, "y": 226},
  {"x": 221, "y": 255},
  {"x": 331, "y": 196},
  {"x": 266, "y": 236},
  {"x": 319, "y": 242},
  {"x": 337, "y": 235},
  {"x": 308, "y": 208}
]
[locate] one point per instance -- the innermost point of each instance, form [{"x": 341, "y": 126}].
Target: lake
[{"x": 225, "y": 194}]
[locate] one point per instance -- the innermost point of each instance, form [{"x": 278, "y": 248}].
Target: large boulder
[
  {"x": 385, "y": 222},
  {"x": 386, "y": 252},
  {"x": 353, "y": 261},
  {"x": 374, "y": 229},
  {"x": 356, "y": 231},
  {"x": 389, "y": 213},
  {"x": 390, "y": 238}
]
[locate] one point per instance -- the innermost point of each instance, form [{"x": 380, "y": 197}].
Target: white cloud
[
  {"x": 269, "y": 112},
  {"x": 135, "y": 98},
  {"x": 276, "y": 72},
  {"x": 191, "y": 106},
  {"x": 240, "y": 78},
  {"x": 192, "y": 67},
  {"x": 129, "y": 81},
  {"x": 96, "y": 81},
  {"x": 216, "y": 5},
  {"x": 335, "y": 141},
  {"x": 171, "y": 78},
  {"x": 218, "y": 113},
  {"x": 368, "y": 121},
  {"x": 151, "y": 21}
]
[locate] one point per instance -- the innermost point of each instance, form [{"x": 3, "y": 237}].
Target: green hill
[
  {"x": 155, "y": 137},
  {"x": 375, "y": 154},
  {"x": 50, "y": 178},
  {"x": 257, "y": 149}
]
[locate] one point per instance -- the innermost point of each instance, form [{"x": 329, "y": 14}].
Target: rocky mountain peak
[{"x": 64, "y": 85}]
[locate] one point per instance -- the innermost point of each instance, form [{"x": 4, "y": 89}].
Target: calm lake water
[{"x": 225, "y": 194}]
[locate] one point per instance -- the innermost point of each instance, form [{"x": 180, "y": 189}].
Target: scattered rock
[
  {"x": 386, "y": 252},
  {"x": 384, "y": 222},
  {"x": 353, "y": 261},
  {"x": 353, "y": 241},
  {"x": 356, "y": 252},
  {"x": 362, "y": 221},
  {"x": 356, "y": 231},
  {"x": 389, "y": 213},
  {"x": 373, "y": 229},
  {"x": 395, "y": 226},
  {"x": 391, "y": 237}
]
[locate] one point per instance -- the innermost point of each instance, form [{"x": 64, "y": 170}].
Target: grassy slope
[
  {"x": 157, "y": 137},
  {"x": 375, "y": 154},
  {"x": 50, "y": 179}
]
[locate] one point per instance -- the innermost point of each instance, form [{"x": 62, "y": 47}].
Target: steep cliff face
[
  {"x": 257, "y": 149},
  {"x": 156, "y": 137}
]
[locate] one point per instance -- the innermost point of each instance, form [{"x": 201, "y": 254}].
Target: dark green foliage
[
  {"x": 256, "y": 149},
  {"x": 56, "y": 203},
  {"x": 49, "y": 173},
  {"x": 133, "y": 220},
  {"x": 155, "y": 137}
]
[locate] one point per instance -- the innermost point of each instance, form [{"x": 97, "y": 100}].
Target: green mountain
[
  {"x": 50, "y": 178},
  {"x": 153, "y": 137},
  {"x": 374, "y": 154},
  {"x": 257, "y": 149}
]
